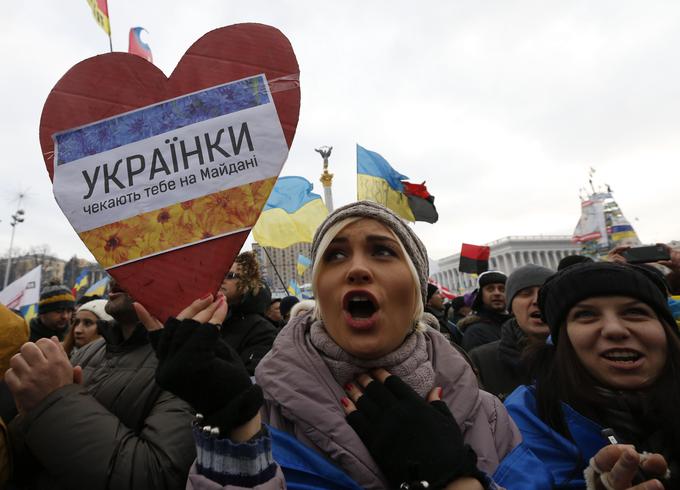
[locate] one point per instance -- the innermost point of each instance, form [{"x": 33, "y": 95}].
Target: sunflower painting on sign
[
  {"x": 178, "y": 225},
  {"x": 172, "y": 174}
]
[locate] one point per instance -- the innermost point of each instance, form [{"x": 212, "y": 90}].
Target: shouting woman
[{"x": 355, "y": 394}]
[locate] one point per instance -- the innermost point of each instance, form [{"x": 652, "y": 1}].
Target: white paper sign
[{"x": 171, "y": 152}]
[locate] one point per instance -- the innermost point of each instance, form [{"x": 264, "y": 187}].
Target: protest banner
[
  {"x": 24, "y": 292},
  {"x": 162, "y": 178}
]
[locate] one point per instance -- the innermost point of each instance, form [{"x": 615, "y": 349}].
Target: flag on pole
[
  {"x": 98, "y": 288},
  {"x": 137, "y": 46},
  {"x": 303, "y": 264},
  {"x": 81, "y": 281},
  {"x": 100, "y": 12},
  {"x": 474, "y": 259},
  {"x": 445, "y": 292},
  {"x": 421, "y": 202},
  {"x": 378, "y": 181},
  {"x": 29, "y": 312},
  {"x": 291, "y": 215},
  {"x": 24, "y": 293},
  {"x": 294, "y": 289}
]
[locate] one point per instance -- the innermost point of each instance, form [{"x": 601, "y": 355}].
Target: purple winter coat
[{"x": 303, "y": 399}]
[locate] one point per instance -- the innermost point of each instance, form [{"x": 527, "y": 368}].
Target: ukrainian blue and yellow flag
[
  {"x": 621, "y": 232},
  {"x": 29, "y": 312},
  {"x": 294, "y": 289},
  {"x": 291, "y": 215},
  {"x": 98, "y": 288},
  {"x": 377, "y": 181},
  {"x": 81, "y": 281},
  {"x": 303, "y": 264}
]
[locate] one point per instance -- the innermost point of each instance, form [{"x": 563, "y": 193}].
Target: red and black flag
[
  {"x": 421, "y": 202},
  {"x": 474, "y": 259}
]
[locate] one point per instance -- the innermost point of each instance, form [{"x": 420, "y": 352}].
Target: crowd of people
[{"x": 537, "y": 380}]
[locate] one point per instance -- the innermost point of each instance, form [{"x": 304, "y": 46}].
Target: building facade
[
  {"x": 284, "y": 261},
  {"x": 507, "y": 254},
  {"x": 54, "y": 269}
]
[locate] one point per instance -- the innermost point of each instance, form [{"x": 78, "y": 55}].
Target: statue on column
[{"x": 325, "y": 152}]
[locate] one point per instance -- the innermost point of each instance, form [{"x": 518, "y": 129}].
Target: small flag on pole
[
  {"x": 303, "y": 264},
  {"x": 474, "y": 259},
  {"x": 81, "y": 281},
  {"x": 137, "y": 46},
  {"x": 100, "y": 12},
  {"x": 99, "y": 287},
  {"x": 377, "y": 181},
  {"x": 294, "y": 289},
  {"x": 291, "y": 215}
]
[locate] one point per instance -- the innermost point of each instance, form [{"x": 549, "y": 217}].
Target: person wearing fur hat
[
  {"x": 499, "y": 363},
  {"x": 484, "y": 325},
  {"x": 612, "y": 363},
  {"x": 55, "y": 310},
  {"x": 246, "y": 328},
  {"x": 354, "y": 394}
]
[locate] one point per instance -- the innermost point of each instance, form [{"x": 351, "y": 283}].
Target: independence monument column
[{"x": 326, "y": 177}]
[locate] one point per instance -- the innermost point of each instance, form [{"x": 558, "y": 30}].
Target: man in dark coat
[
  {"x": 55, "y": 310},
  {"x": 499, "y": 363},
  {"x": 489, "y": 307},
  {"x": 245, "y": 328},
  {"x": 435, "y": 306},
  {"x": 273, "y": 313},
  {"x": 103, "y": 424},
  {"x": 457, "y": 309}
]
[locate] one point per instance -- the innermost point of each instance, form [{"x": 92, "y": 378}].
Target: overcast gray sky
[{"x": 501, "y": 106}]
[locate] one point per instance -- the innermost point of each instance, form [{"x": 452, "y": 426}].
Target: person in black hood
[
  {"x": 245, "y": 328},
  {"x": 489, "y": 308},
  {"x": 500, "y": 364}
]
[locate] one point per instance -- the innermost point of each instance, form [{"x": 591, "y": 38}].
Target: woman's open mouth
[
  {"x": 536, "y": 317},
  {"x": 360, "y": 308},
  {"x": 623, "y": 358}
]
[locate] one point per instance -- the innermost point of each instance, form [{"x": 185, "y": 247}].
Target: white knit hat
[{"x": 96, "y": 307}]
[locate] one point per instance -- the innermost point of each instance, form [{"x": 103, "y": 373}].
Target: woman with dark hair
[
  {"x": 86, "y": 325},
  {"x": 357, "y": 393},
  {"x": 608, "y": 376}
]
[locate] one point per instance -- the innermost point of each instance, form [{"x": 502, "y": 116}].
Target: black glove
[
  {"x": 195, "y": 364},
  {"x": 410, "y": 439}
]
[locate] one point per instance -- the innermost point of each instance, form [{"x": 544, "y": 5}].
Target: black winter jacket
[
  {"x": 499, "y": 363},
  {"x": 248, "y": 331},
  {"x": 447, "y": 328},
  {"x": 486, "y": 329},
  {"x": 40, "y": 331},
  {"x": 117, "y": 431}
]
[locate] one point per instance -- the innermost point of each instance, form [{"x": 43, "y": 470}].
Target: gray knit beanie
[
  {"x": 527, "y": 276},
  {"x": 368, "y": 209}
]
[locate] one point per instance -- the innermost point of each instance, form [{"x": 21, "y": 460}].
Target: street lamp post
[{"x": 17, "y": 218}]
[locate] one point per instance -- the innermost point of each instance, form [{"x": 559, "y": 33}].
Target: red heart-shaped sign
[{"x": 112, "y": 84}]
